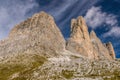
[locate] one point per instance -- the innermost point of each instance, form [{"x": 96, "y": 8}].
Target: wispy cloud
[
  {"x": 96, "y": 18},
  {"x": 15, "y": 11},
  {"x": 76, "y": 9},
  {"x": 12, "y": 12},
  {"x": 114, "y": 32},
  {"x": 60, "y": 10}
]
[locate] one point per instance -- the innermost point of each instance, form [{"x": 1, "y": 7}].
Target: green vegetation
[
  {"x": 7, "y": 69},
  {"x": 67, "y": 74}
]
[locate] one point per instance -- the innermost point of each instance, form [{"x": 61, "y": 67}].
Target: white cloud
[
  {"x": 115, "y": 31},
  {"x": 96, "y": 18},
  {"x": 13, "y": 12},
  {"x": 80, "y": 7}
]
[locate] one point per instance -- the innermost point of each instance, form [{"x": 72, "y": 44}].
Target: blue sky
[{"x": 103, "y": 16}]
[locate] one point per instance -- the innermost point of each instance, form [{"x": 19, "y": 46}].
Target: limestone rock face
[
  {"x": 79, "y": 30},
  {"x": 79, "y": 41},
  {"x": 110, "y": 49},
  {"x": 98, "y": 47},
  {"x": 38, "y": 33},
  {"x": 85, "y": 44}
]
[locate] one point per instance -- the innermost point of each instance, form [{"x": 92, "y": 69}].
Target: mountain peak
[
  {"x": 81, "y": 20},
  {"x": 42, "y": 14},
  {"x": 79, "y": 41},
  {"x": 93, "y": 34},
  {"x": 34, "y": 22},
  {"x": 86, "y": 44},
  {"x": 79, "y": 29},
  {"x": 39, "y": 31}
]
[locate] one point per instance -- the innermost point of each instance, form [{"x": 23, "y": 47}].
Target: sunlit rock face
[
  {"x": 79, "y": 41},
  {"x": 41, "y": 34},
  {"x": 88, "y": 45},
  {"x": 38, "y": 32},
  {"x": 99, "y": 48}
]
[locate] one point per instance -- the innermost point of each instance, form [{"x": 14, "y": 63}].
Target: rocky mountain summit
[
  {"x": 39, "y": 33},
  {"x": 36, "y": 50},
  {"x": 87, "y": 45}
]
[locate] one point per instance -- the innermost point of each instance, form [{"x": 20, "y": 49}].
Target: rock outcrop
[
  {"x": 79, "y": 41},
  {"x": 87, "y": 45},
  {"x": 99, "y": 48},
  {"x": 38, "y": 33}
]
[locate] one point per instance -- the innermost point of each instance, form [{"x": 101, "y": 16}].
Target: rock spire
[
  {"x": 85, "y": 44},
  {"x": 79, "y": 41}
]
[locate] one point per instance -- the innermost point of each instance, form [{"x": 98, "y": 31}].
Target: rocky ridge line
[{"x": 40, "y": 31}]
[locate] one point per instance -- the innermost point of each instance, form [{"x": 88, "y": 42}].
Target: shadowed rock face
[
  {"x": 38, "y": 32},
  {"x": 110, "y": 49}
]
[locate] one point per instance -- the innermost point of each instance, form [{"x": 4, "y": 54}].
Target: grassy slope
[
  {"x": 25, "y": 65},
  {"x": 11, "y": 67}
]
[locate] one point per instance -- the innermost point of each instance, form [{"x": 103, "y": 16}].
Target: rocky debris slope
[
  {"x": 36, "y": 50},
  {"x": 36, "y": 67},
  {"x": 88, "y": 45}
]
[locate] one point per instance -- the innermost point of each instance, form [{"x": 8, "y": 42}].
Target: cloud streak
[
  {"x": 96, "y": 18},
  {"x": 114, "y": 32},
  {"x": 13, "y": 12},
  {"x": 75, "y": 9}
]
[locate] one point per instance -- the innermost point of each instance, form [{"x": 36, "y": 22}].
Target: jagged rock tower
[
  {"x": 79, "y": 41},
  {"x": 99, "y": 48},
  {"x": 87, "y": 45}
]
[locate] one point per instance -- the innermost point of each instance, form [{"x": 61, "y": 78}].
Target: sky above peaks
[{"x": 102, "y": 16}]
